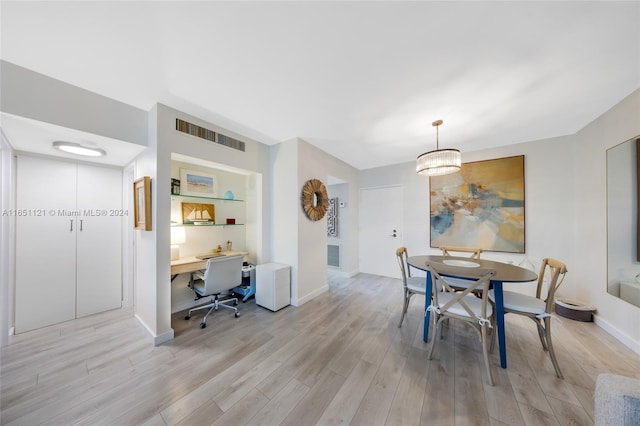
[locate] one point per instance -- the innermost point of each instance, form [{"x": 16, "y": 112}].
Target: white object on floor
[{"x": 273, "y": 285}]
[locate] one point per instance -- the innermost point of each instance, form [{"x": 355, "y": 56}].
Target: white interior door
[
  {"x": 99, "y": 267},
  {"x": 45, "y": 243},
  {"x": 381, "y": 213}
]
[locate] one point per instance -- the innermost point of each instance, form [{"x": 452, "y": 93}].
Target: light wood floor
[{"x": 338, "y": 359}]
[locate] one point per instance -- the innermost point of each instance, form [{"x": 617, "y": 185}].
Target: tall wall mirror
[{"x": 623, "y": 236}]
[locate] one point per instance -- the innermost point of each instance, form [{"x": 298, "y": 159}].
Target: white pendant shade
[{"x": 439, "y": 162}]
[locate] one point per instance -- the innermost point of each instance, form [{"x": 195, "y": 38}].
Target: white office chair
[{"x": 222, "y": 274}]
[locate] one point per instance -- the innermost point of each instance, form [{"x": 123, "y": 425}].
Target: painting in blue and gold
[{"x": 481, "y": 205}]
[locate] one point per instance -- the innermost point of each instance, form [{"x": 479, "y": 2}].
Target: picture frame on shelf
[
  {"x": 198, "y": 214},
  {"x": 198, "y": 183},
  {"x": 175, "y": 186},
  {"x": 142, "y": 203}
]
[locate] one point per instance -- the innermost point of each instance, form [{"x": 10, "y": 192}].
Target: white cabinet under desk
[{"x": 68, "y": 242}]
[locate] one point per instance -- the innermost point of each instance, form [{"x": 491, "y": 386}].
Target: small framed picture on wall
[{"x": 142, "y": 203}]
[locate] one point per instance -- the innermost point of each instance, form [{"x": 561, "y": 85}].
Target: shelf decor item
[
  {"x": 198, "y": 184},
  {"x": 198, "y": 214},
  {"x": 175, "y": 186},
  {"x": 142, "y": 203},
  {"x": 315, "y": 200}
]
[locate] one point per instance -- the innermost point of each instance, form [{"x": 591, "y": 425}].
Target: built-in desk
[
  {"x": 182, "y": 297},
  {"x": 192, "y": 263}
]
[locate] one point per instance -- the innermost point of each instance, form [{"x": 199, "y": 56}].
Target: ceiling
[
  {"x": 37, "y": 137},
  {"x": 362, "y": 81}
]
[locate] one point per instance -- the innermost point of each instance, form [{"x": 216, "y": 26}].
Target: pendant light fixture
[{"x": 440, "y": 161}]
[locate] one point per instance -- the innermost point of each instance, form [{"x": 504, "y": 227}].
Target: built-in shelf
[
  {"x": 228, "y": 209},
  {"x": 174, "y": 196},
  {"x": 212, "y": 224}
]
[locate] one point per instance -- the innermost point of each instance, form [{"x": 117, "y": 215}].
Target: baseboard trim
[
  {"x": 164, "y": 337},
  {"x": 301, "y": 301},
  {"x": 156, "y": 339},
  {"x": 615, "y": 332}
]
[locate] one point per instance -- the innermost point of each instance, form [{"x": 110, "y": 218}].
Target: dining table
[{"x": 505, "y": 272}]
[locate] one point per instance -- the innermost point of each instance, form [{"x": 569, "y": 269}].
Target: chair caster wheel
[
  {"x": 237, "y": 314},
  {"x": 203, "y": 325},
  {"x": 187, "y": 317}
]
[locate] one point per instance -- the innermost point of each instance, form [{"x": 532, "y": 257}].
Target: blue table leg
[
  {"x": 497, "y": 289},
  {"x": 427, "y": 303}
]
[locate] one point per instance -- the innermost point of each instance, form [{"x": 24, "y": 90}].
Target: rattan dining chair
[
  {"x": 410, "y": 285},
  {"x": 463, "y": 305},
  {"x": 536, "y": 308},
  {"x": 475, "y": 252},
  {"x": 451, "y": 251}
]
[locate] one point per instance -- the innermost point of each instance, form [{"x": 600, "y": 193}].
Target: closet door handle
[
  {"x": 71, "y": 225},
  {"x": 81, "y": 220}
]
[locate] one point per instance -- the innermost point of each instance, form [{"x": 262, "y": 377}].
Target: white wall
[
  {"x": 26, "y": 93},
  {"x": 348, "y": 216},
  {"x": 7, "y": 244},
  {"x": 548, "y": 203},
  {"x": 145, "y": 286},
  {"x": 298, "y": 241},
  {"x": 343, "y": 214},
  {"x": 153, "y": 292},
  {"x": 284, "y": 194},
  {"x": 620, "y": 123}
]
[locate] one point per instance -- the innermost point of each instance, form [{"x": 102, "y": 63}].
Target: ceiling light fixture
[
  {"x": 440, "y": 161},
  {"x": 76, "y": 148}
]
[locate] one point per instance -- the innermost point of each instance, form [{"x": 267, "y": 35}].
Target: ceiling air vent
[
  {"x": 230, "y": 142},
  {"x": 210, "y": 135}
]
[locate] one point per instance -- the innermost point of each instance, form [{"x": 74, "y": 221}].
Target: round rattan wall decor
[{"x": 315, "y": 200}]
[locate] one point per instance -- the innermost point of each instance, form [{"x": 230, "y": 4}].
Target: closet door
[
  {"x": 45, "y": 243},
  {"x": 99, "y": 266}
]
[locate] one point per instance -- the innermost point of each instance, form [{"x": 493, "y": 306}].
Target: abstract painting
[{"x": 482, "y": 205}]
